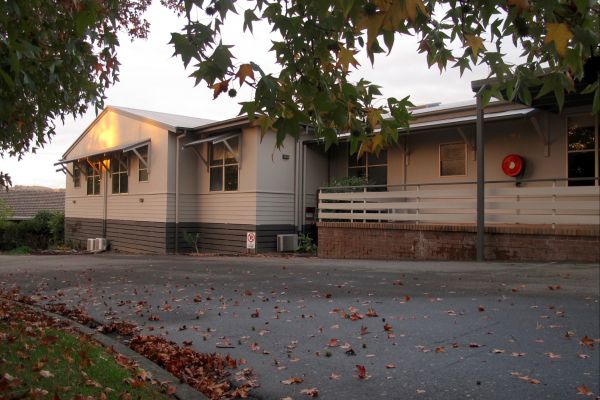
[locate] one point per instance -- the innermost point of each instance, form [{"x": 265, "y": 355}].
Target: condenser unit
[
  {"x": 91, "y": 245},
  {"x": 101, "y": 244},
  {"x": 287, "y": 242}
]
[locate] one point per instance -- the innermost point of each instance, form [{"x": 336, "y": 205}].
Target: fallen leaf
[
  {"x": 390, "y": 366},
  {"x": 361, "y": 371},
  {"x": 312, "y": 392},
  {"x": 497, "y": 351},
  {"x": 371, "y": 313},
  {"x": 333, "y": 343},
  {"x": 292, "y": 380},
  {"x": 584, "y": 390},
  {"x": 586, "y": 341},
  {"x": 46, "y": 374},
  {"x": 551, "y": 355}
]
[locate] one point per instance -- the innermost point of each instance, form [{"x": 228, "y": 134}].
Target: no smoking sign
[{"x": 251, "y": 240}]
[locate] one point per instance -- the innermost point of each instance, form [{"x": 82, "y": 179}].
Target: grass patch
[
  {"x": 42, "y": 361},
  {"x": 20, "y": 250}
]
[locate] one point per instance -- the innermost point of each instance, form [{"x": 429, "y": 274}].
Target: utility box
[
  {"x": 101, "y": 244},
  {"x": 91, "y": 245},
  {"x": 287, "y": 242}
]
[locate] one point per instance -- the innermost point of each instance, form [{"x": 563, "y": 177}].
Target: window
[
  {"x": 582, "y": 150},
  {"x": 143, "y": 169},
  {"x": 76, "y": 176},
  {"x": 370, "y": 166},
  {"x": 224, "y": 167},
  {"x": 119, "y": 174},
  {"x": 453, "y": 159},
  {"x": 93, "y": 178}
]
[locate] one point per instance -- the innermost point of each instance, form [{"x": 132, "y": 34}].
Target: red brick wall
[{"x": 456, "y": 242}]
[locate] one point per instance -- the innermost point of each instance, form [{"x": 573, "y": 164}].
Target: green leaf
[{"x": 249, "y": 18}]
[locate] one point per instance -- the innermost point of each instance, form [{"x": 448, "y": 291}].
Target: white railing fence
[{"x": 456, "y": 203}]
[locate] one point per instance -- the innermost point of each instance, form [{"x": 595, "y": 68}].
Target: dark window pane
[
  {"x": 378, "y": 159},
  {"x": 216, "y": 179},
  {"x": 90, "y": 185},
  {"x": 378, "y": 175},
  {"x": 356, "y": 162},
  {"x": 581, "y": 137},
  {"x": 581, "y": 165},
  {"x": 231, "y": 177},
  {"x": 123, "y": 183},
  {"x": 143, "y": 175},
  {"x": 96, "y": 184},
  {"x": 452, "y": 159},
  {"x": 115, "y": 183},
  {"x": 360, "y": 172}
]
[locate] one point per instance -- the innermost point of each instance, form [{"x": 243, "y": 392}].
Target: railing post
[{"x": 364, "y": 204}]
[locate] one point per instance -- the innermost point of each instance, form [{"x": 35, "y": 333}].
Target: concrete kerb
[{"x": 182, "y": 392}]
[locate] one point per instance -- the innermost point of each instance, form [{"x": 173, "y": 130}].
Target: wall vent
[{"x": 287, "y": 242}]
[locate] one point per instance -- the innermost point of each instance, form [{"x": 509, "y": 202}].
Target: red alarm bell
[{"x": 512, "y": 165}]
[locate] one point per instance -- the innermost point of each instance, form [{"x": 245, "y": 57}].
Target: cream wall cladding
[{"x": 144, "y": 201}]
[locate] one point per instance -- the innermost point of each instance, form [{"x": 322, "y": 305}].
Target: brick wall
[{"x": 391, "y": 241}]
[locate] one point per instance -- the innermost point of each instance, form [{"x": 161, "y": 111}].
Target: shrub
[
  {"x": 56, "y": 224},
  {"x": 37, "y": 233},
  {"x": 306, "y": 244}
]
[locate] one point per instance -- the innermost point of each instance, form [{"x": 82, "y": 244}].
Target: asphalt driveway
[{"x": 426, "y": 330}]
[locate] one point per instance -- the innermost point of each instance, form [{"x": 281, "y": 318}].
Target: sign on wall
[{"x": 251, "y": 240}]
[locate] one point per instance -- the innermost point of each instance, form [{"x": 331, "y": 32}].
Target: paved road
[{"x": 449, "y": 330}]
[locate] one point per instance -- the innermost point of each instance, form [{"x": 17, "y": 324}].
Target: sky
[{"x": 151, "y": 79}]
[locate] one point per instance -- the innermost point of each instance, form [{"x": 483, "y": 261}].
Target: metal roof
[
  {"x": 172, "y": 120},
  {"x": 26, "y": 202},
  {"x": 458, "y": 121}
]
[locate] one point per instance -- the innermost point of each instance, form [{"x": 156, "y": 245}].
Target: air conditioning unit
[
  {"x": 91, "y": 245},
  {"x": 101, "y": 244},
  {"x": 287, "y": 242}
]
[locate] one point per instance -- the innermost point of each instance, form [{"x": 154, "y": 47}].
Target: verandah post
[{"x": 480, "y": 183}]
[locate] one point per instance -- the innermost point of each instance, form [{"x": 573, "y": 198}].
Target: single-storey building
[
  {"x": 156, "y": 182},
  {"x": 25, "y": 202}
]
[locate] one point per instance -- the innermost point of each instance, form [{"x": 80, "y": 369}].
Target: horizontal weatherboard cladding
[{"x": 159, "y": 237}]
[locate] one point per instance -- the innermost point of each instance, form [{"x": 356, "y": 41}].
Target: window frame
[
  {"x": 466, "y": 164},
  {"x": 595, "y": 150},
  {"x": 76, "y": 176},
  {"x": 92, "y": 175},
  {"x": 366, "y": 165},
  {"x": 141, "y": 166},
  {"x": 223, "y": 165},
  {"x": 117, "y": 173}
]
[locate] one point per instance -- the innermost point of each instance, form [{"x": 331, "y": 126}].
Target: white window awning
[
  {"x": 122, "y": 148},
  {"x": 222, "y": 138}
]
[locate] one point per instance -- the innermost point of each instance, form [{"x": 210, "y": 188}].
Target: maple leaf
[
  {"x": 440, "y": 349},
  {"x": 584, "y": 390},
  {"x": 333, "y": 343},
  {"x": 220, "y": 87},
  {"x": 412, "y": 6},
  {"x": 371, "y": 313},
  {"x": 345, "y": 59},
  {"x": 387, "y": 327},
  {"x": 586, "y": 341},
  {"x": 245, "y": 71},
  {"x": 372, "y": 23},
  {"x": 560, "y": 34},
  {"x": 475, "y": 43},
  {"x": 361, "y": 371}
]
